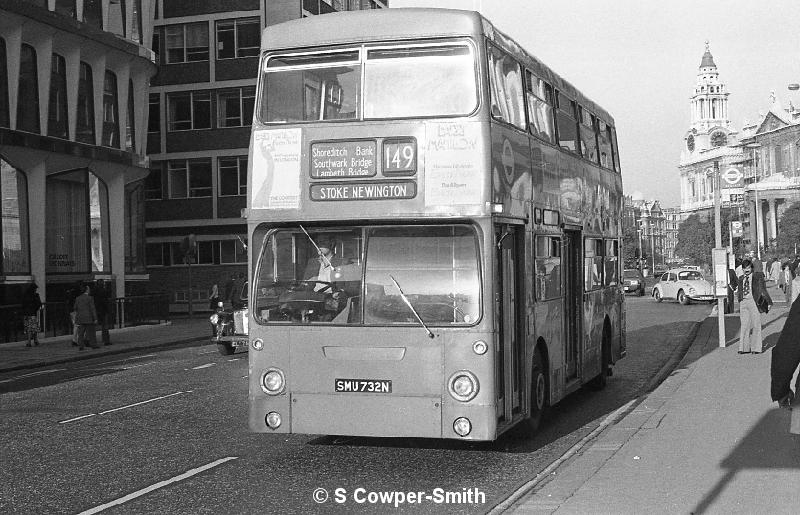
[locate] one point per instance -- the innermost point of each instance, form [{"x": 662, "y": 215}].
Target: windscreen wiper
[
  {"x": 319, "y": 252},
  {"x": 408, "y": 303}
]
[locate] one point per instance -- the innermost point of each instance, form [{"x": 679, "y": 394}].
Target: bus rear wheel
[
  {"x": 601, "y": 380},
  {"x": 540, "y": 392}
]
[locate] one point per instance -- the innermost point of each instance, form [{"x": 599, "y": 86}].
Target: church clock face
[
  {"x": 719, "y": 139},
  {"x": 690, "y": 143}
]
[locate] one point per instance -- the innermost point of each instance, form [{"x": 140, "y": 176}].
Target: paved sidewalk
[
  {"x": 707, "y": 440},
  {"x": 58, "y": 349}
]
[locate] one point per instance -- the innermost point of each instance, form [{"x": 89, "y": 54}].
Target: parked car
[
  {"x": 229, "y": 324},
  {"x": 633, "y": 281},
  {"x": 685, "y": 284}
]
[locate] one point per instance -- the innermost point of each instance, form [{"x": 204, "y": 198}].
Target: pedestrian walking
[
  {"x": 795, "y": 286},
  {"x": 775, "y": 269},
  {"x": 752, "y": 292},
  {"x": 101, "y": 301},
  {"x": 786, "y": 359},
  {"x": 787, "y": 274},
  {"x": 86, "y": 318},
  {"x": 213, "y": 297},
  {"x": 31, "y": 304},
  {"x": 72, "y": 294},
  {"x": 732, "y": 282}
]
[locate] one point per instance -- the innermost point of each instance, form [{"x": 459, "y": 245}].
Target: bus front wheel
[{"x": 540, "y": 392}]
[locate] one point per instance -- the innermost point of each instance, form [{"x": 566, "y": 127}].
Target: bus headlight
[
  {"x": 273, "y": 420},
  {"x": 272, "y": 381},
  {"x": 462, "y": 426},
  {"x": 258, "y": 344},
  {"x": 480, "y": 347},
  {"x": 463, "y": 386}
]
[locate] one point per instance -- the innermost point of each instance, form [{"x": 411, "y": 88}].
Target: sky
[{"x": 639, "y": 59}]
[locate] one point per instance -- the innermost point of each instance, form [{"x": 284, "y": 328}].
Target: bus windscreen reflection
[{"x": 437, "y": 267}]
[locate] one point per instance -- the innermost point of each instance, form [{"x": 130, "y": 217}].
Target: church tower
[{"x": 710, "y": 125}]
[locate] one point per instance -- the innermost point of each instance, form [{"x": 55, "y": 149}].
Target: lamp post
[{"x": 756, "y": 221}]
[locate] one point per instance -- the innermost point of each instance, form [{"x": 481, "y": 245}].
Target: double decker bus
[{"x": 434, "y": 219}]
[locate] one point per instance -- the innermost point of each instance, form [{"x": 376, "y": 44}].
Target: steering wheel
[{"x": 311, "y": 285}]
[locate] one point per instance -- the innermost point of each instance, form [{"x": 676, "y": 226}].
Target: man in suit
[{"x": 750, "y": 288}]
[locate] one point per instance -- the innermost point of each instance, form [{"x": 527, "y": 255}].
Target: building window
[
  {"x": 93, "y": 13},
  {"x": 238, "y": 38},
  {"x": 66, "y": 7},
  {"x": 153, "y": 189},
  {"x": 232, "y": 176},
  {"x": 116, "y": 17},
  {"x": 134, "y": 228},
  {"x": 233, "y": 251},
  {"x": 14, "y": 236},
  {"x": 57, "y": 115},
  {"x": 189, "y": 179},
  {"x": 154, "y": 113},
  {"x": 157, "y": 254},
  {"x": 136, "y": 21},
  {"x": 187, "y": 43},
  {"x": 4, "y": 112},
  {"x": 155, "y": 46},
  {"x": 130, "y": 125},
  {"x": 76, "y": 232},
  {"x": 189, "y": 110},
  {"x": 28, "y": 97},
  {"x": 110, "y": 111},
  {"x": 235, "y": 107},
  {"x": 84, "y": 127}
]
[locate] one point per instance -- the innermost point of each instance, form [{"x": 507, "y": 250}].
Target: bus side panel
[
  {"x": 548, "y": 326},
  {"x": 512, "y": 184}
]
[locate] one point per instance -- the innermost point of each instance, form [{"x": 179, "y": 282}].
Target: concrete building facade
[{"x": 73, "y": 116}]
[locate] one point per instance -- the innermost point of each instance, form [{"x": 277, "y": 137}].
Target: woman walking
[{"x": 31, "y": 303}]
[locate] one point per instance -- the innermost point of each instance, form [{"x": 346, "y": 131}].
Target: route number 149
[{"x": 400, "y": 156}]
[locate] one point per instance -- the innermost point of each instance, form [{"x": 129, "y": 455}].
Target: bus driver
[{"x": 321, "y": 268}]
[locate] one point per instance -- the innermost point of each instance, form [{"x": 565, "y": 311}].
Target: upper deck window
[
  {"x": 420, "y": 81},
  {"x": 398, "y": 82},
  {"x": 304, "y": 88}
]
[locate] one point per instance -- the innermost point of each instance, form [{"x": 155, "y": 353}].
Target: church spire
[{"x": 709, "y": 102}]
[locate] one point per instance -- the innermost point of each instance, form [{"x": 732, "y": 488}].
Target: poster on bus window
[
  {"x": 275, "y": 179},
  {"x": 452, "y": 161}
]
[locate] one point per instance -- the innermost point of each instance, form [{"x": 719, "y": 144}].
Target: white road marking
[
  {"x": 33, "y": 374},
  {"x": 207, "y": 352},
  {"x": 127, "y": 359},
  {"x": 122, "y": 407},
  {"x": 204, "y": 366},
  {"x": 139, "y": 365},
  {"x": 160, "y": 484},
  {"x": 234, "y": 359}
]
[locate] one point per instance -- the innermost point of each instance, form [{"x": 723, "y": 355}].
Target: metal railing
[{"x": 54, "y": 318}]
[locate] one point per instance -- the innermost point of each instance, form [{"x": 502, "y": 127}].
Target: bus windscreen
[{"x": 345, "y": 276}]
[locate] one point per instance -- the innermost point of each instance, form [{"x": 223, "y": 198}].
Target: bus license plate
[{"x": 363, "y": 386}]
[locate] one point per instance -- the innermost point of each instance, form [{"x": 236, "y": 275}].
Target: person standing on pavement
[
  {"x": 73, "y": 294},
  {"x": 86, "y": 318},
  {"x": 732, "y": 282},
  {"x": 101, "y": 301},
  {"x": 751, "y": 286},
  {"x": 31, "y": 303},
  {"x": 786, "y": 359},
  {"x": 213, "y": 297}
]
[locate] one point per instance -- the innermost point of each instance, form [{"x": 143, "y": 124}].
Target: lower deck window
[{"x": 367, "y": 275}]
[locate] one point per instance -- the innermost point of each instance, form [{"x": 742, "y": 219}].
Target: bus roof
[{"x": 353, "y": 27}]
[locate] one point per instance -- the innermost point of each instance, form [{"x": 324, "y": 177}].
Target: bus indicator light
[
  {"x": 462, "y": 426},
  {"x": 273, "y": 420},
  {"x": 272, "y": 382},
  {"x": 480, "y": 347},
  {"x": 258, "y": 344}
]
